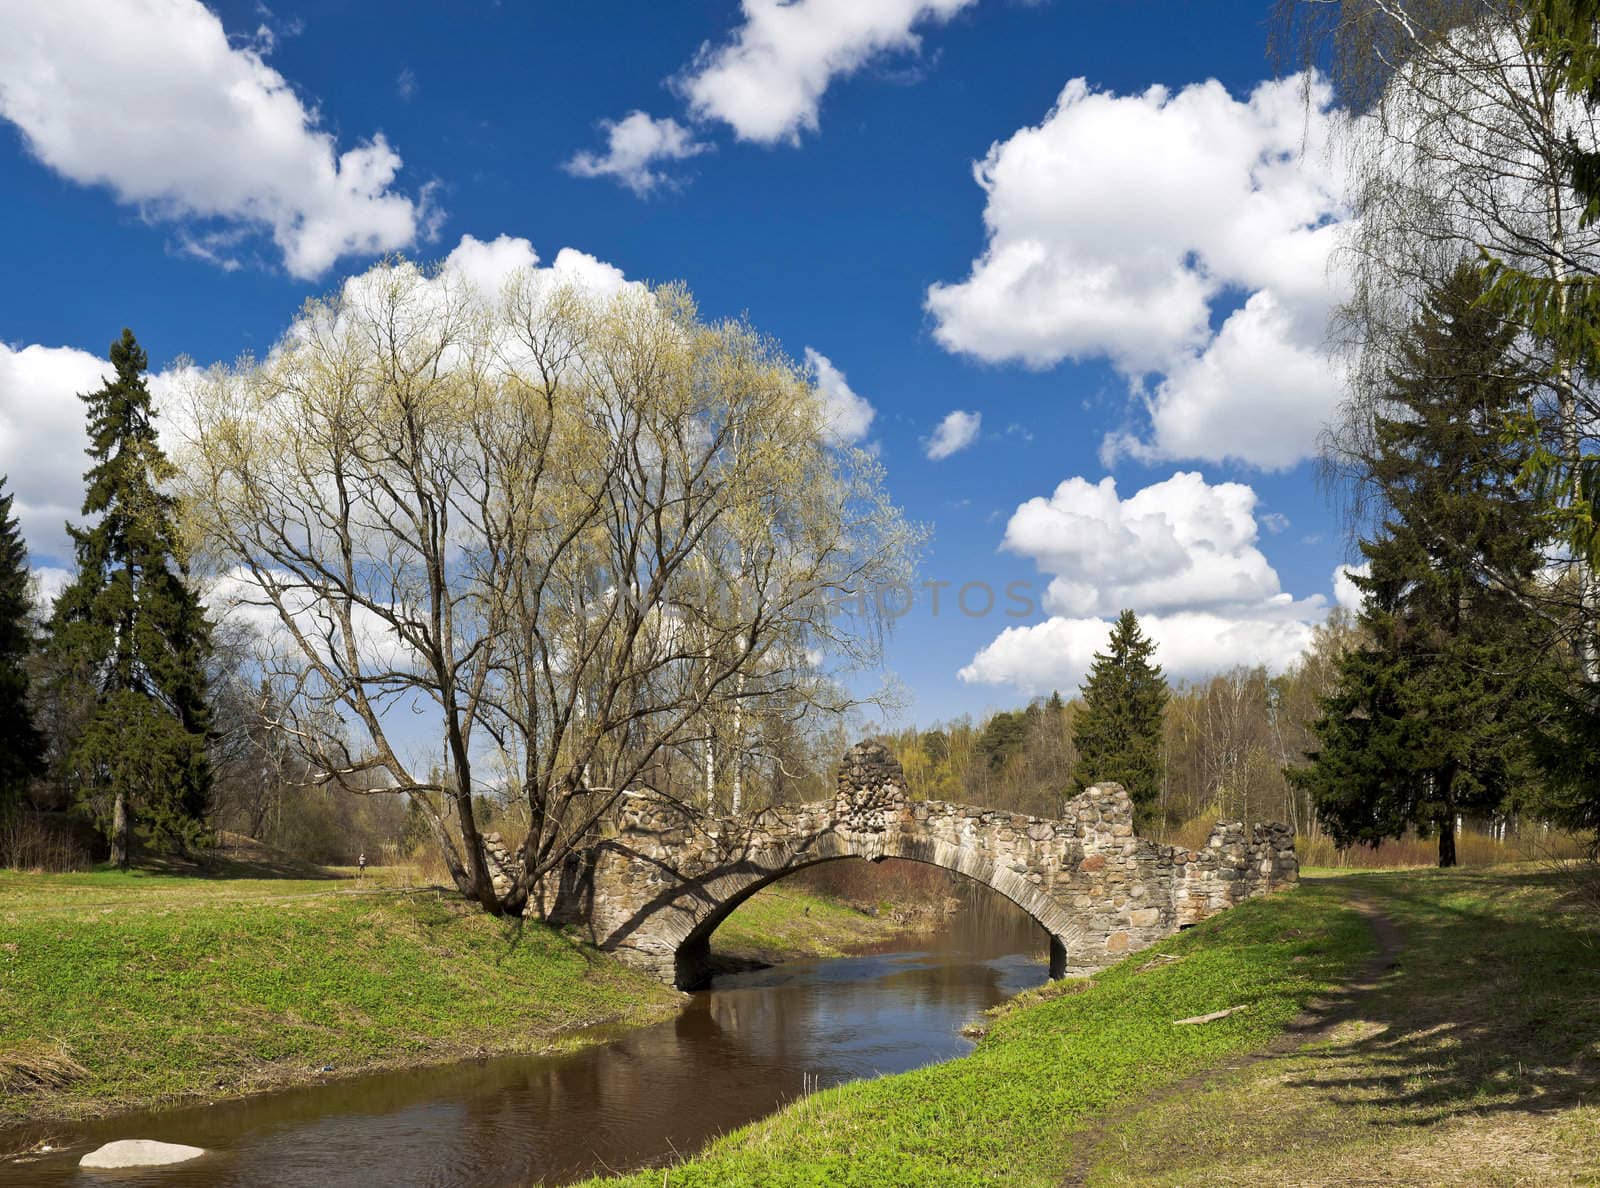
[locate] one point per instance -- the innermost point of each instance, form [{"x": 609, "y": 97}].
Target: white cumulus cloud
[
  {"x": 767, "y": 80},
  {"x": 1057, "y": 653},
  {"x": 956, "y": 432},
  {"x": 149, "y": 98},
  {"x": 848, "y": 416},
  {"x": 42, "y": 438},
  {"x": 1120, "y": 226},
  {"x": 635, "y": 146},
  {"x": 1345, "y": 592},
  {"x": 1178, "y": 544},
  {"x": 488, "y": 264},
  {"x": 1182, "y": 554},
  {"x": 42, "y": 435}
]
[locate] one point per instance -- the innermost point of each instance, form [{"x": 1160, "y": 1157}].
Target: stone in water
[{"x": 139, "y": 1153}]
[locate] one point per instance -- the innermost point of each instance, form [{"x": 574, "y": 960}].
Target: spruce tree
[
  {"x": 1117, "y": 733},
  {"x": 1430, "y": 719},
  {"x": 130, "y": 619},
  {"x": 21, "y": 745}
]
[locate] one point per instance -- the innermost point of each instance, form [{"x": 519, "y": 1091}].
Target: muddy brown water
[{"x": 737, "y": 1052}]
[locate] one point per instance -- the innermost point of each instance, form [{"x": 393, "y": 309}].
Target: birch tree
[{"x": 1459, "y": 148}]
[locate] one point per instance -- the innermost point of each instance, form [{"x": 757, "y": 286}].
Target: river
[{"x": 738, "y": 1051}]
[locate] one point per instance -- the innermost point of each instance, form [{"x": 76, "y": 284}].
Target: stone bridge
[{"x": 653, "y": 894}]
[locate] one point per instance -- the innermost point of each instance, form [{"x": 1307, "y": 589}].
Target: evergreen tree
[
  {"x": 130, "y": 620},
  {"x": 21, "y": 745},
  {"x": 1118, "y": 731},
  {"x": 1003, "y": 736},
  {"x": 1430, "y": 719}
]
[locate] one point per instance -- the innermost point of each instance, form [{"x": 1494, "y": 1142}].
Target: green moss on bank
[
  {"x": 1001, "y": 1114},
  {"x": 162, "y": 988}
]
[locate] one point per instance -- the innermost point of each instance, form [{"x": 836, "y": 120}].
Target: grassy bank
[
  {"x": 1473, "y": 1059},
  {"x": 120, "y": 991},
  {"x": 785, "y": 921},
  {"x": 1000, "y": 1115},
  {"x": 125, "y": 990},
  {"x": 1468, "y": 1051}
]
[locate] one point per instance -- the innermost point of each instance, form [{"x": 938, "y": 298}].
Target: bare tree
[{"x": 557, "y": 526}]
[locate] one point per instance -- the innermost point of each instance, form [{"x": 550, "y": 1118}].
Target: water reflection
[{"x": 737, "y": 1052}]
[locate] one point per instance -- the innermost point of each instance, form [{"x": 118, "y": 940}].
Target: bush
[{"x": 47, "y": 842}]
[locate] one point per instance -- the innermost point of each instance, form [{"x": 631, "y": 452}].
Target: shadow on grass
[
  {"x": 233, "y": 857},
  {"x": 1492, "y": 1006}
]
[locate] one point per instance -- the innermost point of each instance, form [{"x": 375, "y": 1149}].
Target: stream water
[{"x": 737, "y": 1052}]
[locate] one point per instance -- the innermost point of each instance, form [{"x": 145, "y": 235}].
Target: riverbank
[
  {"x": 1468, "y": 1055},
  {"x": 785, "y": 922},
  {"x": 128, "y": 991}
]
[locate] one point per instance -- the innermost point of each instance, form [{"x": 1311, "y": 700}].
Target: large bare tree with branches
[{"x": 565, "y": 530}]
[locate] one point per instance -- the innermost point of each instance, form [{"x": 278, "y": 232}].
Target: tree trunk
[
  {"x": 1447, "y": 818},
  {"x": 119, "y": 831}
]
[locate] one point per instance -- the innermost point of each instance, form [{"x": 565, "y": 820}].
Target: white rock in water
[{"x": 139, "y": 1153}]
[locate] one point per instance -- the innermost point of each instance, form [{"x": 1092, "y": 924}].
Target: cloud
[
  {"x": 1274, "y": 522},
  {"x": 847, "y": 415},
  {"x": 1177, "y": 544},
  {"x": 1345, "y": 592},
  {"x": 1120, "y": 227},
  {"x": 405, "y": 83},
  {"x": 240, "y": 597},
  {"x": 956, "y": 432},
  {"x": 150, "y": 99},
  {"x": 488, "y": 264},
  {"x": 1181, "y": 553},
  {"x": 42, "y": 435},
  {"x": 634, "y": 145},
  {"x": 1057, "y": 653},
  {"x": 42, "y": 438},
  {"x": 767, "y": 80},
  {"x": 48, "y": 582}
]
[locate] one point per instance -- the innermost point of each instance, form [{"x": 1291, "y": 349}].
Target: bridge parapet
[{"x": 654, "y": 893}]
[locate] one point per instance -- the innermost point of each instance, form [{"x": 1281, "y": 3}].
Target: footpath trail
[
  {"x": 1467, "y": 1051},
  {"x": 1317, "y": 1024}
]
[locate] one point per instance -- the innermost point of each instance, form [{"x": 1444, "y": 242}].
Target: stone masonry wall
[{"x": 654, "y": 893}]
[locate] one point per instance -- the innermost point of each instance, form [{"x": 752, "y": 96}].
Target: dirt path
[{"x": 1317, "y": 1023}]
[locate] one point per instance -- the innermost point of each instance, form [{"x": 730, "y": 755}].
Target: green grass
[
  {"x": 1474, "y": 1059},
  {"x": 786, "y": 921},
  {"x": 1001, "y": 1114},
  {"x": 162, "y": 988}
]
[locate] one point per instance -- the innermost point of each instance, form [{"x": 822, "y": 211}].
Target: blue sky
[{"x": 823, "y": 183}]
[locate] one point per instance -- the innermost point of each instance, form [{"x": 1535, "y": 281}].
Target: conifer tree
[
  {"x": 1118, "y": 731},
  {"x": 21, "y": 745},
  {"x": 1430, "y": 719},
  {"x": 130, "y": 620}
]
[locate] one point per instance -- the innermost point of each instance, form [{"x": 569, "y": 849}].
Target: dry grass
[
  {"x": 893, "y": 881},
  {"x": 30, "y": 842},
  {"x": 38, "y": 1066},
  {"x": 1472, "y": 849}
]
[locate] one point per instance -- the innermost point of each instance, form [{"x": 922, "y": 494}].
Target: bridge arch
[
  {"x": 733, "y": 887},
  {"x": 653, "y": 894}
]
